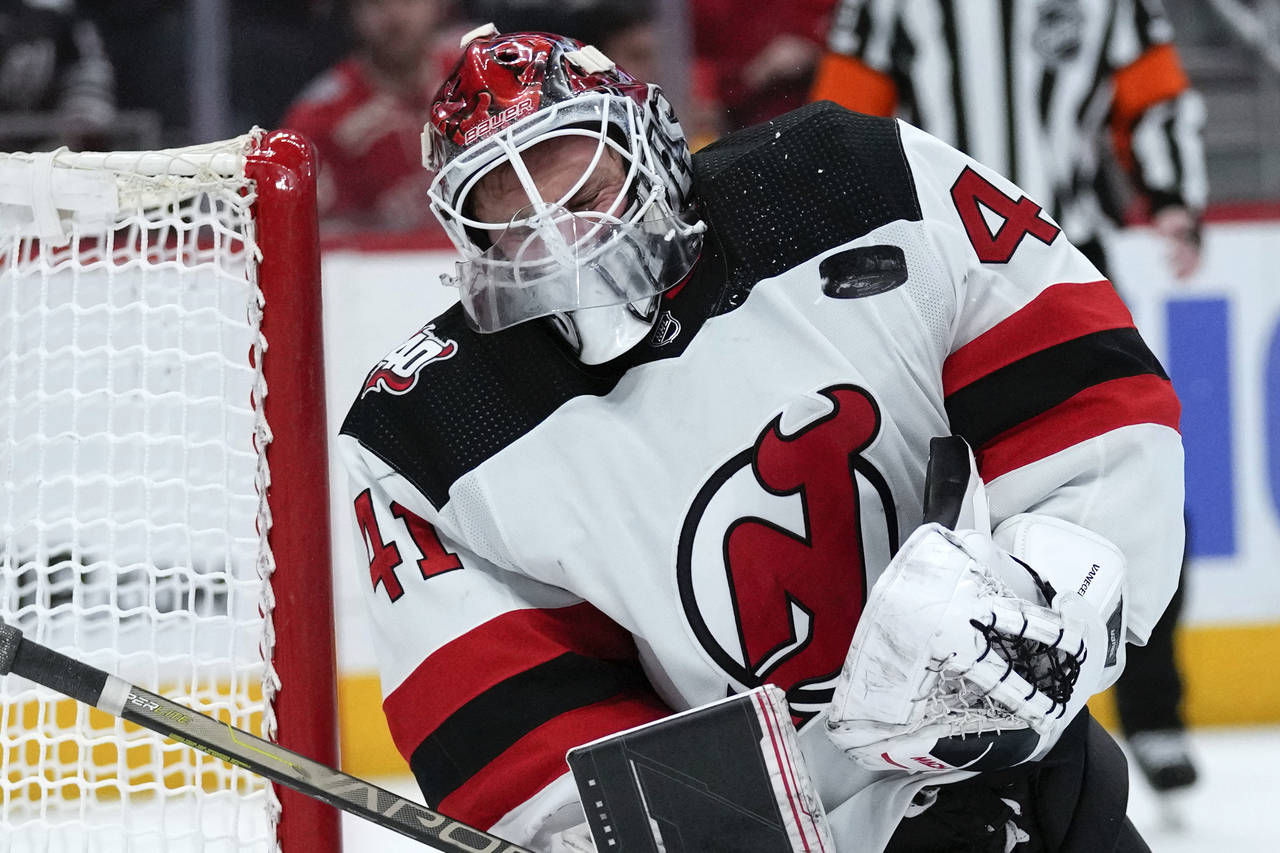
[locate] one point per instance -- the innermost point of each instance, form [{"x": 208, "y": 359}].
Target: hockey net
[{"x": 165, "y": 498}]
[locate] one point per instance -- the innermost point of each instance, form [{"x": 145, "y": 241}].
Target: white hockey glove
[{"x": 975, "y": 653}]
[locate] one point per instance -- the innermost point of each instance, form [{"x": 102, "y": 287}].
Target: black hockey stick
[
  {"x": 108, "y": 693},
  {"x": 947, "y": 480}
]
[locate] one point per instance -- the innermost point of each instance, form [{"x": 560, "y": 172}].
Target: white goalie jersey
[{"x": 557, "y": 551}]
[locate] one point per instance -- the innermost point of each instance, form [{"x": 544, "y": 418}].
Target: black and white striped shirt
[{"x": 1027, "y": 87}]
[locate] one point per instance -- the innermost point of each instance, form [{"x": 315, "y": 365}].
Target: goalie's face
[
  {"x": 560, "y": 169},
  {"x": 560, "y": 231},
  {"x": 565, "y": 185}
]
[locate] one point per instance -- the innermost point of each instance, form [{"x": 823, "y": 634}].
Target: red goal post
[{"x": 166, "y": 506}]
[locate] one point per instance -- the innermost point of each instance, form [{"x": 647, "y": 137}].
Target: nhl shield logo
[
  {"x": 397, "y": 373},
  {"x": 1059, "y": 31}
]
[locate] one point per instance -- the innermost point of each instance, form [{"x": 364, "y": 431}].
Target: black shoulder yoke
[
  {"x": 468, "y": 407},
  {"x": 781, "y": 192}
]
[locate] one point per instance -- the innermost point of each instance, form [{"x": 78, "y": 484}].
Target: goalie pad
[
  {"x": 975, "y": 652},
  {"x": 724, "y": 776}
]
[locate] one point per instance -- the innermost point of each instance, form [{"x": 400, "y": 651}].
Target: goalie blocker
[{"x": 724, "y": 776}]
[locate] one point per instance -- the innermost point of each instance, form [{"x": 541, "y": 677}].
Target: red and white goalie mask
[{"x": 589, "y": 228}]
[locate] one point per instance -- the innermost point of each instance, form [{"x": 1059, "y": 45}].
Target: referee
[{"x": 1029, "y": 87}]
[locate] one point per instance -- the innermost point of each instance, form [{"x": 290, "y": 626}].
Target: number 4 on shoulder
[{"x": 972, "y": 192}]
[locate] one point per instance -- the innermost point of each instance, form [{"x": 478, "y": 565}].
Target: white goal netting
[{"x": 133, "y": 475}]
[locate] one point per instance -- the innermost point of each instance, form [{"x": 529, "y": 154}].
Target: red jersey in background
[
  {"x": 367, "y": 139},
  {"x": 762, "y": 64}
]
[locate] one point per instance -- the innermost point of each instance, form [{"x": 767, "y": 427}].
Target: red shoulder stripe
[
  {"x": 1060, "y": 313},
  {"x": 1095, "y": 410}
]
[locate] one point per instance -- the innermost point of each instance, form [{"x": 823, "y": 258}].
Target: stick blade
[{"x": 724, "y": 776}]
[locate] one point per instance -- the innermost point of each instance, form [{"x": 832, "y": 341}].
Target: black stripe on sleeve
[
  {"x": 952, "y": 37},
  {"x": 489, "y": 724},
  {"x": 1031, "y": 386}
]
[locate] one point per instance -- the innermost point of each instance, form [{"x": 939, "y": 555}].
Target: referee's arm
[{"x": 848, "y": 72}]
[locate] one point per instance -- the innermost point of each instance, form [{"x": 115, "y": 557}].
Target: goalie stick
[
  {"x": 948, "y": 481},
  {"x": 115, "y": 696}
]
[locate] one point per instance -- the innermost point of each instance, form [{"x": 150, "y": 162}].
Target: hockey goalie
[{"x": 670, "y": 447}]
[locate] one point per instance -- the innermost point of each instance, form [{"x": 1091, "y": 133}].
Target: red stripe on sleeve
[
  {"x": 1062, "y": 312},
  {"x": 537, "y": 759},
  {"x": 493, "y": 652},
  {"x": 1094, "y": 411}
]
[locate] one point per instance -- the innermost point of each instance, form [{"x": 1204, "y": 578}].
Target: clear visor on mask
[{"x": 550, "y": 260}]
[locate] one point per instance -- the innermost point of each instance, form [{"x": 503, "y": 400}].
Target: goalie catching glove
[{"x": 974, "y": 652}]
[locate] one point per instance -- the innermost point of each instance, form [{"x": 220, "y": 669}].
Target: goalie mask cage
[{"x": 165, "y": 506}]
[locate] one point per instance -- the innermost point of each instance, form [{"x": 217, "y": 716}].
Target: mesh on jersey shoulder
[
  {"x": 462, "y": 410},
  {"x": 470, "y": 508},
  {"x": 781, "y": 192},
  {"x": 929, "y": 286}
]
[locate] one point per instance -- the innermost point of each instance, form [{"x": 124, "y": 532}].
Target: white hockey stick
[{"x": 106, "y": 692}]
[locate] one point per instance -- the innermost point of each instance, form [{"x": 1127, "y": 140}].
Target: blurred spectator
[
  {"x": 365, "y": 116},
  {"x": 146, "y": 42},
  {"x": 762, "y": 64},
  {"x": 625, "y": 30},
  {"x": 57, "y": 86},
  {"x": 276, "y": 49},
  {"x": 271, "y": 50}
]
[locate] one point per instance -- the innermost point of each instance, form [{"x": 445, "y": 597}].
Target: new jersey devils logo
[
  {"x": 772, "y": 558},
  {"x": 397, "y": 373}
]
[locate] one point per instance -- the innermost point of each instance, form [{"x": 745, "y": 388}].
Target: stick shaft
[
  {"x": 108, "y": 693},
  {"x": 946, "y": 480}
]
